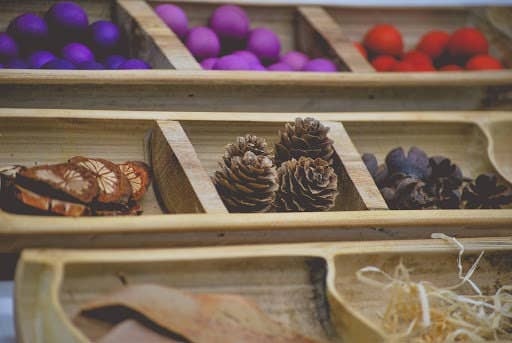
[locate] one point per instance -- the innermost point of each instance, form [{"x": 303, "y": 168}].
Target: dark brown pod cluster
[
  {"x": 306, "y": 185},
  {"x": 83, "y": 186},
  {"x": 416, "y": 181}
]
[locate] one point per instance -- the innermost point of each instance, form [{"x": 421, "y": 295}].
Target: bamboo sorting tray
[
  {"x": 326, "y": 31},
  {"x": 184, "y": 148},
  {"x": 310, "y": 288}
]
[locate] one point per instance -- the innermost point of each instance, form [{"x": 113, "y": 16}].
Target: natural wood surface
[{"x": 308, "y": 287}]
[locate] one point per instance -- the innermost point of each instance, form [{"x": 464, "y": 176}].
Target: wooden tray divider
[
  {"x": 348, "y": 159},
  {"x": 177, "y": 168},
  {"x": 314, "y": 18},
  {"x": 149, "y": 33}
]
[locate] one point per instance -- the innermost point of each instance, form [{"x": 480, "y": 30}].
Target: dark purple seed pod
[
  {"x": 17, "y": 63},
  {"x": 67, "y": 20},
  {"x": 77, "y": 53},
  {"x": 59, "y": 63},
  {"x": 113, "y": 61},
  {"x": 134, "y": 63},
  {"x": 29, "y": 30},
  {"x": 8, "y": 47},
  {"x": 91, "y": 65},
  {"x": 39, "y": 58},
  {"x": 104, "y": 36}
]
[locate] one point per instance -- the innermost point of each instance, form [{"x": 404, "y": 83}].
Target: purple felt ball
[
  {"x": 320, "y": 65},
  {"x": 67, "y": 20},
  {"x": 279, "y": 66},
  {"x": 257, "y": 67},
  {"x": 8, "y": 47},
  {"x": 59, "y": 63},
  {"x": 174, "y": 17},
  {"x": 113, "y": 61},
  {"x": 203, "y": 43},
  {"x": 208, "y": 63},
  {"x": 264, "y": 44},
  {"x": 134, "y": 63},
  {"x": 295, "y": 59},
  {"x": 29, "y": 30},
  {"x": 230, "y": 23},
  {"x": 40, "y": 58},
  {"x": 17, "y": 63},
  {"x": 231, "y": 62},
  {"x": 250, "y": 57},
  {"x": 1, "y": 66},
  {"x": 91, "y": 65},
  {"x": 77, "y": 53},
  {"x": 104, "y": 35}
]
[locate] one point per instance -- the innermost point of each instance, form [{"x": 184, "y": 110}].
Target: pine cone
[
  {"x": 248, "y": 183},
  {"x": 409, "y": 194},
  {"x": 486, "y": 193},
  {"x": 444, "y": 182},
  {"x": 306, "y": 185},
  {"x": 252, "y": 143},
  {"x": 308, "y": 138}
]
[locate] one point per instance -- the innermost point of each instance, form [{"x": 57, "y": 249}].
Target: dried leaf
[{"x": 201, "y": 318}]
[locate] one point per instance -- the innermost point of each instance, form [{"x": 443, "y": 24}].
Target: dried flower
[{"x": 486, "y": 193}]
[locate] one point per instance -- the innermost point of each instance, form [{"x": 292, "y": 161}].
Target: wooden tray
[
  {"x": 309, "y": 287},
  {"x": 327, "y": 31},
  {"x": 184, "y": 149}
]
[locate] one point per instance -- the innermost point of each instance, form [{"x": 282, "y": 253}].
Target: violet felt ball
[
  {"x": 113, "y": 61},
  {"x": 230, "y": 22},
  {"x": 208, "y": 63},
  {"x": 320, "y": 65},
  {"x": 77, "y": 53},
  {"x": 295, "y": 59},
  {"x": 91, "y": 65},
  {"x": 174, "y": 17},
  {"x": 231, "y": 62},
  {"x": 29, "y": 29},
  {"x": 203, "y": 43},
  {"x": 66, "y": 19},
  {"x": 134, "y": 63},
  {"x": 1, "y": 66},
  {"x": 17, "y": 63},
  {"x": 264, "y": 44},
  {"x": 104, "y": 35},
  {"x": 257, "y": 67},
  {"x": 250, "y": 57},
  {"x": 39, "y": 58},
  {"x": 279, "y": 66},
  {"x": 8, "y": 47},
  {"x": 59, "y": 63}
]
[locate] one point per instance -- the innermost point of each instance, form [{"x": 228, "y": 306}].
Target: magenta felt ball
[
  {"x": 77, "y": 53},
  {"x": 40, "y": 58},
  {"x": 320, "y": 65},
  {"x": 8, "y": 47},
  {"x": 279, "y": 66},
  {"x": 250, "y": 57},
  {"x": 134, "y": 63},
  {"x": 230, "y": 23},
  {"x": 29, "y": 30},
  {"x": 203, "y": 43},
  {"x": 113, "y": 61},
  {"x": 295, "y": 59},
  {"x": 17, "y": 63},
  {"x": 91, "y": 65},
  {"x": 231, "y": 62},
  {"x": 264, "y": 44},
  {"x": 59, "y": 63},
  {"x": 208, "y": 63},
  {"x": 257, "y": 66},
  {"x": 174, "y": 17},
  {"x": 104, "y": 35},
  {"x": 67, "y": 20}
]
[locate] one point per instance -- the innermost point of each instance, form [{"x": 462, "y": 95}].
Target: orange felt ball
[
  {"x": 384, "y": 39},
  {"x": 417, "y": 58},
  {"x": 451, "y": 67},
  {"x": 467, "y": 42},
  {"x": 384, "y": 63},
  {"x": 361, "y": 49},
  {"x": 483, "y": 62},
  {"x": 403, "y": 66},
  {"x": 433, "y": 43}
]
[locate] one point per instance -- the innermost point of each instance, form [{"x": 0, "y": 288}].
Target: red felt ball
[
  {"x": 403, "y": 66},
  {"x": 483, "y": 62},
  {"x": 384, "y": 39},
  {"x": 419, "y": 59},
  {"x": 361, "y": 49},
  {"x": 384, "y": 63},
  {"x": 467, "y": 42},
  {"x": 451, "y": 67},
  {"x": 433, "y": 43}
]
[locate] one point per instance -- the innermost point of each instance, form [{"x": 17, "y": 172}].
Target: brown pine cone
[
  {"x": 252, "y": 143},
  {"x": 248, "y": 183},
  {"x": 307, "y": 137},
  {"x": 306, "y": 185}
]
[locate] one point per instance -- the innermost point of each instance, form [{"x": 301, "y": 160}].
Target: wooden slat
[
  {"x": 332, "y": 33},
  {"x": 154, "y": 34},
  {"x": 183, "y": 184}
]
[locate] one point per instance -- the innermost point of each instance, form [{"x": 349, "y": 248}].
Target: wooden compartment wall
[{"x": 310, "y": 287}]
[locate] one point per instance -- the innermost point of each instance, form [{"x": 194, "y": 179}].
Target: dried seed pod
[
  {"x": 252, "y": 143},
  {"x": 139, "y": 175},
  {"x": 132, "y": 208},
  {"x": 378, "y": 172},
  {"x": 415, "y": 164},
  {"x": 444, "y": 182},
  {"x": 306, "y": 185},
  {"x": 306, "y": 137},
  {"x": 113, "y": 184},
  {"x": 409, "y": 194},
  {"x": 248, "y": 183},
  {"x": 486, "y": 193},
  {"x": 7, "y": 176}
]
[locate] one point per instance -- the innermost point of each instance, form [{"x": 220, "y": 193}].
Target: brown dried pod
[
  {"x": 248, "y": 183},
  {"x": 306, "y": 185},
  {"x": 139, "y": 175},
  {"x": 306, "y": 137},
  {"x": 409, "y": 194},
  {"x": 7, "y": 176},
  {"x": 113, "y": 184},
  {"x": 132, "y": 208},
  {"x": 486, "y": 193},
  {"x": 252, "y": 143}
]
